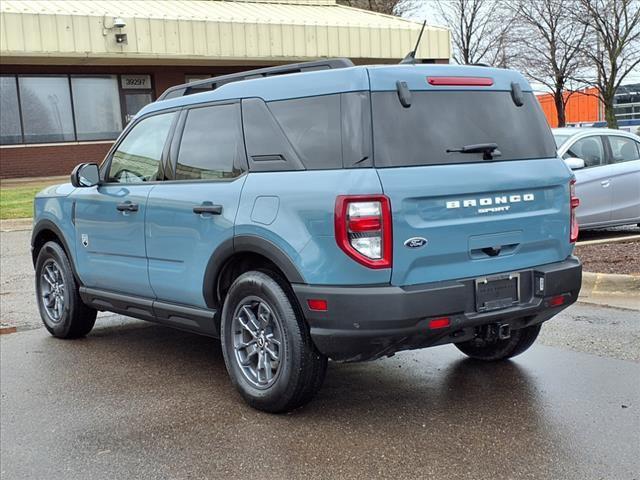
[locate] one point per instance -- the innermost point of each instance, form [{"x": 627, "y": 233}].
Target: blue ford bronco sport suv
[{"x": 320, "y": 210}]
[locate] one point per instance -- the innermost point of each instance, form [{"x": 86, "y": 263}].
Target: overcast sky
[{"x": 428, "y": 11}]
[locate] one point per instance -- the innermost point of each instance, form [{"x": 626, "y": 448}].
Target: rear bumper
[{"x": 363, "y": 323}]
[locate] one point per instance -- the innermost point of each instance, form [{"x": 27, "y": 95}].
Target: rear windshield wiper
[{"x": 488, "y": 150}]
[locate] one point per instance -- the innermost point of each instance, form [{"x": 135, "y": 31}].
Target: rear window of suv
[{"x": 440, "y": 120}]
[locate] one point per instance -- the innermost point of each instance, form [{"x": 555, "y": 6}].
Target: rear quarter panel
[{"x": 295, "y": 211}]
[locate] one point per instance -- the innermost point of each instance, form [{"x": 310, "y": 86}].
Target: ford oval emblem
[{"x": 415, "y": 242}]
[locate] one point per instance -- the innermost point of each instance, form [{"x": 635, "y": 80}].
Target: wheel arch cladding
[
  {"x": 235, "y": 250},
  {"x": 46, "y": 231}
]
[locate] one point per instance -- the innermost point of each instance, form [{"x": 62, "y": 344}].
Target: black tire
[
  {"x": 300, "y": 369},
  {"x": 73, "y": 319},
  {"x": 495, "y": 350}
]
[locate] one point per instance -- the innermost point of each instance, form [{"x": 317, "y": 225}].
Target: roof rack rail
[{"x": 216, "y": 82}]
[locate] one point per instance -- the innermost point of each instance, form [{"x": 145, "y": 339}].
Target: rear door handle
[
  {"x": 204, "y": 208},
  {"x": 605, "y": 183},
  {"x": 127, "y": 207}
]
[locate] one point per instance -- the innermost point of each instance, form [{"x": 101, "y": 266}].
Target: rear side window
[
  {"x": 623, "y": 149},
  {"x": 442, "y": 120},
  {"x": 312, "y": 133},
  {"x": 211, "y": 146},
  {"x": 312, "y": 126}
]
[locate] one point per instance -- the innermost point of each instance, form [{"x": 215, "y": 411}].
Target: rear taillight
[
  {"x": 575, "y": 201},
  {"x": 363, "y": 229}
]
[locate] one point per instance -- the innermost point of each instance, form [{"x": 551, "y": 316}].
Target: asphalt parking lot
[{"x": 136, "y": 400}]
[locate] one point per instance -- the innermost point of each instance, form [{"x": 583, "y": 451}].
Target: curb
[
  {"x": 626, "y": 238},
  {"x": 610, "y": 284},
  {"x": 16, "y": 224},
  {"x": 24, "y": 181}
]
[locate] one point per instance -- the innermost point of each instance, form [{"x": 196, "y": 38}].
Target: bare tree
[
  {"x": 388, "y": 7},
  {"x": 613, "y": 46},
  {"x": 550, "y": 46},
  {"x": 480, "y": 30}
]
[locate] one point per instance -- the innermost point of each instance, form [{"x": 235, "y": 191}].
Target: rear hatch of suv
[{"x": 470, "y": 167}]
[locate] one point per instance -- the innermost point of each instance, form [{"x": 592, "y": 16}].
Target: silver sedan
[{"x": 606, "y": 163}]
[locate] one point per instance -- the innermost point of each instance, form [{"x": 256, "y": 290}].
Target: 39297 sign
[{"x": 135, "y": 82}]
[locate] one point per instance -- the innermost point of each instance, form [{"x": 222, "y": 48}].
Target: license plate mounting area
[{"x": 497, "y": 292}]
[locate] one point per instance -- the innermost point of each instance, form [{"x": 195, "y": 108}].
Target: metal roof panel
[{"x": 164, "y": 31}]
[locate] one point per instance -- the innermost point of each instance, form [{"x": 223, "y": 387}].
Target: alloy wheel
[
  {"x": 52, "y": 290},
  {"x": 257, "y": 342}
]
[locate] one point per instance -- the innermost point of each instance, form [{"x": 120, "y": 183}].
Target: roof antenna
[{"x": 410, "y": 59}]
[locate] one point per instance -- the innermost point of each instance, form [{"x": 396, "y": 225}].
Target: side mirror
[
  {"x": 85, "y": 175},
  {"x": 574, "y": 163}
]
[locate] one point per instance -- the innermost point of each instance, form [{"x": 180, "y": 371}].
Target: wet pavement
[{"x": 135, "y": 400}]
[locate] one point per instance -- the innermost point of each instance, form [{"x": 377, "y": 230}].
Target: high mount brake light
[
  {"x": 363, "y": 229},
  {"x": 460, "y": 81},
  {"x": 574, "y": 203}
]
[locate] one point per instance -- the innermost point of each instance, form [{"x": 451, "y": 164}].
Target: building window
[
  {"x": 133, "y": 102},
  {"x": 45, "y": 103},
  {"x": 136, "y": 93},
  {"x": 10, "y": 127},
  {"x": 96, "y": 103},
  {"x": 66, "y": 108},
  {"x": 195, "y": 78}
]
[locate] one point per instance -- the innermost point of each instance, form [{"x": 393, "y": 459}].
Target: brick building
[{"x": 72, "y": 73}]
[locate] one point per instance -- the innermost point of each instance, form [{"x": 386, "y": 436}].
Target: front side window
[
  {"x": 137, "y": 158},
  {"x": 46, "y": 109},
  {"x": 211, "y": 147},
  {"x": 589, "y": 149},
  {"x": 96, "y": 103},
  {"x": 623, "y": 149}
]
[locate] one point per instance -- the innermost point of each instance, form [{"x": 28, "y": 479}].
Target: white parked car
[{"x": 606, "y": 163}]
